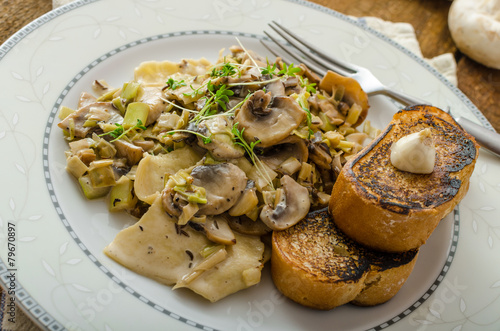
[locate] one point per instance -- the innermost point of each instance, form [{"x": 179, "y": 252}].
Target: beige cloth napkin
[{"x": 404, "y": 34}]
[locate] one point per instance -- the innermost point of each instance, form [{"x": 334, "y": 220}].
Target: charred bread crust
[
  {"x": 386, "y": 209},
  {"x": 388, "y": 272},
  {"x": 316, "y": 265}
]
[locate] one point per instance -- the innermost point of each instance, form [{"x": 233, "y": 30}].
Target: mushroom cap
[
  {"x": 475, "y": 29},
  {"x": 221, "y": 144},
  {"x": 223, "y": 183},
  {"x": 267, "y": 119},
  {"x": 291, "y": 146},
  {"x": 292, "y": 207}
]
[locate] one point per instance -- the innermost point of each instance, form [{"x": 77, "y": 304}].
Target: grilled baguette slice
[
  {"x": 387, "y": 209},
  {"x": 316, "y": 265}
]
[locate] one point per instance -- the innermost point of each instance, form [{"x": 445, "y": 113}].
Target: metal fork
[{"x": 320, "y": 62}]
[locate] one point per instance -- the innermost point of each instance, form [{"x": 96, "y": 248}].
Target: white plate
[{"x": 63, "y": 280}]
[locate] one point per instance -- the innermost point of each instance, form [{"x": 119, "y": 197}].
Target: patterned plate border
[
  {"x": 55, "y": 202},
  {"x": 45, "y": 320}
]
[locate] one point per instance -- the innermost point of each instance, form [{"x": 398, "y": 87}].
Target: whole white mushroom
[{"x": 475, "y": 28}]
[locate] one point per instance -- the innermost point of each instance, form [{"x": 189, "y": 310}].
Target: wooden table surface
[{"x": 428, "y": 17}]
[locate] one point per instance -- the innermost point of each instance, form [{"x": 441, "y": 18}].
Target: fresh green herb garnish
[
  {"x": 227, "y": 69},
  {"x": 221, "y": 95},
  {"x": 239, "y": 140},
  {"x": 308, "y": 118},
  {"x": 269, "y": 70},
  {"x": 194, "y": 92},
  {"x": 120, "y": 131},
  {"x": 289, "y": 70},
  {"x": 249, "y": 149},
  {"x": 310, "y": 87},
  {"x": 174, "y": 84}
]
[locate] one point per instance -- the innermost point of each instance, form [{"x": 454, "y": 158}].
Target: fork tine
[
  {"x": 347, "y": 68},
  {"x": 317, "y": 69},
  {"x": 306, "y": 54},
  {"x": 270, "y": 49}
]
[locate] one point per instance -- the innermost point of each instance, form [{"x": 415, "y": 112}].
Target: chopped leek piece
[
  {"x": 75, "y": 166},
  {"x": 188, "y": 212},
  {"x": 290, "y": 166},
  {"x": 105, "y": 149},
  {"x": 89, "y": 190},
  {"x": 121, "y": 196},
  {"x": 108, "y": 96},
  {"x": 326, "y": 126},
  {"x": 101, "y": 176},
  {"x": 119, "y": 104},
  {"x": 353, "y": 114},
  {"x": 346, "y": 146},
  {"x": 209, "y": 250},
  {"x": 136, "y": 111},
  {"x": 245, "y": 204},
  {"x": 64, "y": 112},
  {"x": 192, "y": 193},
  {"x": 89, "y": 123},
  {"x": 129, "y": 91}
]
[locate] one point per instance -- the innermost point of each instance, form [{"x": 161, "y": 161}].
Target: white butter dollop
[{"x": 414, "y": 153}]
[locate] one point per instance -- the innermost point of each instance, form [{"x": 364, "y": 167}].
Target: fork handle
[
  {"x": 488, "y": 139},
  {"x": 404, "y": 98}
]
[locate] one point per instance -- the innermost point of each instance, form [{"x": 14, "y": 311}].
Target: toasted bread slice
[
  {"x": 387, "y": 209},
  {"x": 316, "y": 265}
]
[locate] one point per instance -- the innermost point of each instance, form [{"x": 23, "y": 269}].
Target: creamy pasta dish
[{"x": 211, "y": 158}]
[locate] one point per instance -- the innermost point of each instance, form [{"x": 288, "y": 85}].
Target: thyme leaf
[{"x": 174, "y": 84}]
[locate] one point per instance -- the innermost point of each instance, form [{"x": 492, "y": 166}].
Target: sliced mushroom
[
  {"x": 80, "y": 116},
  {"x": 131, "y": 152},
  {"x": 334, "y": 116},
  {"x": 290, "y": 147},
  {"x": 319, "y": 153},
  {"x": 267, "y": 119},
  {"x": 311, "y": 76},
  {"x": 292, "y": 85},
  {"x": 276, "y": 88},
  {"x": 100, "y": 87},
  {"x": 246, "y": 225},
  {"x": 353, "y": 92},
  {"x": 171, "y": 202},
  {"x": 291, "y": 205},
  {"x": 86, "y": 99},
  {"x": 247, "y": 201},
  {"x": 221, "y": 144},
  {"x": 217, "y": 230},
  {"x": 223, "y": 183},
  {"x": 152, "y": 96}
]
